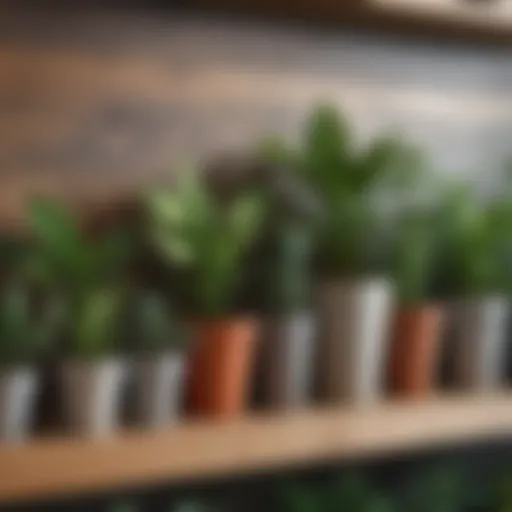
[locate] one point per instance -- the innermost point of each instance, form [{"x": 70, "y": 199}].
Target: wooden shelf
[
  {"x": 57, "y": 467},
  {"x": 497, "y": 15}
]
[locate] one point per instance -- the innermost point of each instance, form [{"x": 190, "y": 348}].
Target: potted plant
[
  {"x": 26, "y": 332},
  {"x": 476, "y": 234},
  {"x": 159, "y": 366},
  {"x": 289, "y": 332},
  {"x": 83, "y": 273},
  {"x": 418, "y": 319},
  {"x": 354, "y": 297},
  {"x": 282, "y": 279},
  {"x": 207, "y": 242}
]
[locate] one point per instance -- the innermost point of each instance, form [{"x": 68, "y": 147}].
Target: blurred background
[{"x": 100, "y": 98}]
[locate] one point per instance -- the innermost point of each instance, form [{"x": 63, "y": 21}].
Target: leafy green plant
[
  {"x": 26, "y": 332},
  {"x": 351, "y": 494},
  {"x": 80, "y": 273},
  {"x": 204, "y": 239},
  {"x": 124, "y": 507},
  {"x": 438, "y": 490},
  {"x": 414, "y": 255},
  {"x": 151, "y": 323},
  {"x": 475, "y": 236},
  {"x": 288, "y": 280},
  {"x": 354, "y": 184}
]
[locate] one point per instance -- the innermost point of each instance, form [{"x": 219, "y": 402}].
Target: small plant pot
[
  {"x": 18, "y": 390},
  {"x": 354, "y": 324},
  {"x": 92, "y": 392},
  {"x": 479, "y": 344},
  {"x": 415, "y": 350},
  {"x": 159, "y": 388},
  {"x": 221, "y": 366},
  {"x": 289, "y": 360}
]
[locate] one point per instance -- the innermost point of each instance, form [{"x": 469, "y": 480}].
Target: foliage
[
  {"x": 438, "y": 489},
  {"x": 204, "y": 239},
  {"x": 152, "y": 325},
  {"x": 81, "y": 274},
  {"x": 289, "y": 277},
  {"x": 352, "y": 494},
  {"x": 26, "y": 332},
  {"x": 356, "y": 186},
  {"x": 475, "y": 238},
  {"x": 414, "y": 255}
]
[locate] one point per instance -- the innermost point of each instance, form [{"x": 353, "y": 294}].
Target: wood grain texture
[
  {"x": 95, "y": 104},
  {"x": 58, "y": 467}
]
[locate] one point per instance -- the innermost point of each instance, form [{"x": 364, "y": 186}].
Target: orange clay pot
[
  {"x": 221, "y": 365},
  {"x": 414, "y": 350}
]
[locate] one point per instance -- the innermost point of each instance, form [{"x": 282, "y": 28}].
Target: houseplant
[
  {"x": 207, "y": 242},
  {"x": 284, "y": 274},
  {"x": 418, "y": 319},
  {"x": 26, "y": 332},
  {"x": 82, "y": 274},
  {"x": 475, "y": 236},
  {"x": 159, "y": 365},
  {"x": 354, "y": 299},
  {"x": 289, "y": 340}
]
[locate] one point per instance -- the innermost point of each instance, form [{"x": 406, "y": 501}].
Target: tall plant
[
  {"x": 205, "y": 240},
  {"x": 356, "y": 187}
]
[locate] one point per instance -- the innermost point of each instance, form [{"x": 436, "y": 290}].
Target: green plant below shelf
[{"x": 205, "y": 240}]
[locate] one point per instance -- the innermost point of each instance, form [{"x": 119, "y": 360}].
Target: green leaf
[{"x": 96, "y": 321}]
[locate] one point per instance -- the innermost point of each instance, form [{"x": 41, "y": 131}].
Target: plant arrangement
[{"x": 208, "y": 242}]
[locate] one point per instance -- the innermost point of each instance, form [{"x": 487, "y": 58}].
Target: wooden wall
[{"x": 94, "y": 104}]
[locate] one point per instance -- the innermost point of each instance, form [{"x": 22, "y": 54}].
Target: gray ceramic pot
[
  {"x": 354, "y": 333},
  {"x": 92, "y": 392},
  {"x": 479, "y": 329},
  {"x": 18, "y": 391},
  {"x": 289, "y": 359},
  {"x": 159, "y": 387}
]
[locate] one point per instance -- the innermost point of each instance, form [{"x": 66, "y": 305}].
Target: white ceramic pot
[
  {"x": 480, "y": 335},
  {"x": 354, "y": 324},
  {"x": 159, "y": 387},
  {"x": 289, "y": 359},
  {"x": 18, "y": 391},
  {"x": 92, "y": 392}
]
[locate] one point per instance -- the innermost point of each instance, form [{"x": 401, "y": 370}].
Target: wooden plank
[{"x": 57, "y": 467}]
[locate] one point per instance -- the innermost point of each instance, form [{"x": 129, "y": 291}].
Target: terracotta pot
[
  {"x": 480, "y": 337},
  {"x": 354, "y": 321},
  {"x": 18, "y": 392},
  {"x": 221, "y": 364},
  {"x": 415, "y": 349}
]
